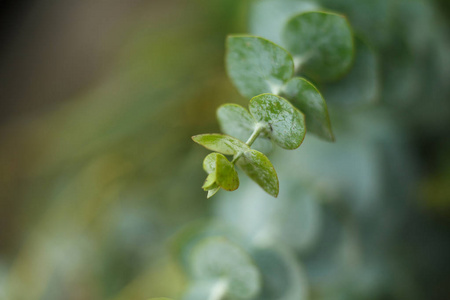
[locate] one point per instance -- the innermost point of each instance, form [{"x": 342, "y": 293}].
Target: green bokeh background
[{"x": 97, "y": 169}]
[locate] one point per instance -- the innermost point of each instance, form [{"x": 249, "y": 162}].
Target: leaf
[
  {"x": 236, "y": 121},
  {"x": 226, "y": 175},
  {"x": 268, "y": 17},
  {"x": 321, "y": 43},
  {"x": 256, "y": 65},
  {"x": 295, "y": 219},
  {"x": 221, "y": 143},
  {"x": 221, "y": 174},
  {"x": 160, "y": 299},
  {"x": 361, "y": 85},
  {"x": 286, "y": 125},
  {"x": 212, "y": 192},
  {"x": 204, "y": 289},
  {"x": 309, "y": 101},
  {"x": 186, "y": 239},
  {"x": 259, "y": 168},
  {"x": 209, "y": 163},
  {"x": 218, "y": 258},
  {"x": 283, "y": 277}
]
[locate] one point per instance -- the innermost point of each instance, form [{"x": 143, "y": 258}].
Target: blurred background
[{"x": 99, "y": 99}]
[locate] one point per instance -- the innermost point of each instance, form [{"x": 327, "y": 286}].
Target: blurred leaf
[
  {"x": 283, "y": 279},
  {"x": 204, "y": 289},
  {"x": 259, "y": 168},
  {"x": 361, "y": 85},
  {"x": 321, "y": 43},
  {"x": 268, "y": 17},
  {"x": 221, "y": 143},
  {"x": 309, "y": 101},
  {"x": 294, "y": 219},
  {"x": 236, "y": 121},
  {"x": 184, "y": 241},
  {"x": 283, "y": 122},
  {"x": 256, "y": 65},
  {"x": 221, "y": 259}
]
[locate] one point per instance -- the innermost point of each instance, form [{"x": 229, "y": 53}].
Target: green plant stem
[
  {"x": 258, "y": 129},
  {"x": 255, "y": 135}
]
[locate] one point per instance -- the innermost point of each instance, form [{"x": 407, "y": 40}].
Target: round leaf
[
  {"x": 321, "y": 43},
  {"x": 185, "y": 240},
  {"x": 209, "y": 163},
  {"x": 259, "y": 168},
  {"x": 226, "y": 175},
  {"x": 256, "y": 65},
  {"x": 283, "y": 277},
  {"x": 361, "y": 85},
  {"x": 268, "y": 17},
  {"x": 309, "y": 101},
  {"x": 221, "y": 143},
  {"x": 219, "y": 258},
  {"x": 286, "y": 125},
  {"x": 221, "y": 174},
  {"x": 236, "y": 121}
]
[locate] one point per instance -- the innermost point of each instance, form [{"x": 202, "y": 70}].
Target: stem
[
  {"x": 258, "y": 129},
  {"x": 255, "y": 134}
]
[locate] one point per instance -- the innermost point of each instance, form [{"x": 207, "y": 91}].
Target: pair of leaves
[
  {"x": 270, "y": 116},
  {"x": 322, "y": 48},
  {"x": 222, "y": 174},
  {"x": 281, "y": 122}
]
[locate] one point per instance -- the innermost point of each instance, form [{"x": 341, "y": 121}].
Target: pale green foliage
[
  {"x": 256, "y": 65},
  {"x": 221, "y": 174},
  {"x": 268, "y": 17},
  {"x": 322, "y": 47},
  {"x": 246, "y": 75},
  {"x": 309, "y": 101},
  {"x": 222, "y": 261},
  {"x": 220, "y": 143},
  {"x": 361, "y": 85},
  {"x": 283, "y": 277},
  {"x": 259, "y": 168},
  {"x": 321, "y": 43},
  {"x": 282, "y": 122},
  {"x": 236, "y": 121}
]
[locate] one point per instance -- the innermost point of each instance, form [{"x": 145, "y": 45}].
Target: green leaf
[
  {"x": 186, "y": 239},
  {"x": 236, "y": 121},
  {"x": 283, "y": 277},
  {"x": 160, "y": 299},
  {"x": 259, "y": 168},
  {"x": 361, "y": 86},
  {"x": 212, "y": 192},
  {"x": 256, "y": 65},
  {"x": 204, "y": 289},
  {"x": 283, "y": 122},
  {"x": 268, "y": 17},
  {"x": 221, "y": 174},
  {"x": 308, "y": 100},
  {"x": 221, "y": 143},
  {"x": 218, "y": 258},
  {"x": 226, "y": 175},
  {"x": 321, "y": 43},
  {"x": 209, "y": 163}
]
